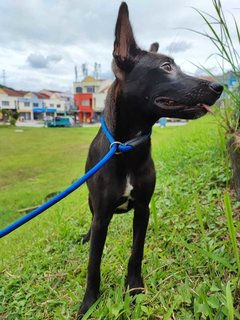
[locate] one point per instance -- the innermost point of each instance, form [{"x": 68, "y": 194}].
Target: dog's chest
[{"x": 127, "y": 197}]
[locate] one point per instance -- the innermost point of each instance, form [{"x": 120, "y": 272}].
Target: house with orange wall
[
  {"x": 84, "y": 103},
  {"x": 89, "y": 98}
]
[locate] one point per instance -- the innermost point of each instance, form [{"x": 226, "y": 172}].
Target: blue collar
[{"x": 123, "y": 146}]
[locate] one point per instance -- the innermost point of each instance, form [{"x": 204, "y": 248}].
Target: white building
[
  {"x": 35, "y": 105},
  {"x": 61, "y": 101},
  {"x": 8, "y": 99}
]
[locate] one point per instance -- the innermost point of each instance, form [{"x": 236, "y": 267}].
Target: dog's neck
[{"x": 122, "y": 117}]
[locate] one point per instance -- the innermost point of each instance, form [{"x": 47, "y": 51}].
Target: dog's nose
[{"x": 216, "y": 87}]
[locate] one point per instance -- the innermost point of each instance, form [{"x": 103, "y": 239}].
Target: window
[
  {"x": 58, "y": 106},
  {"x": 52, "y": 105},
  {"x": 85, "y": 102},
  {"x": 79, "y": 89},
  {"x": 26, "y": 104},
  {"x": 5, "y": 103},
  {"x": 35, "y": 105},
  {"x": 90, "y": 89}
]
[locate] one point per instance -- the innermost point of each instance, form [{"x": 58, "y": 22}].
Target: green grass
[
  {"x": 36, "y": 162},
  {"x": 191, "y": 262}
]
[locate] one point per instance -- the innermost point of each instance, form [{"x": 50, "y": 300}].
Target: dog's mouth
[{"x": 172, "y": 105}]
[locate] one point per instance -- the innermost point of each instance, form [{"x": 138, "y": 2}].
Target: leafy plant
[
  {"x": 10, "y": 115},
  {"x": 227, "y": 46}
]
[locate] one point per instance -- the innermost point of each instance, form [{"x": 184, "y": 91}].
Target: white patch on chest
[
  {"x": 127, "y": 193},
  {"x": 128, "y": 188}
]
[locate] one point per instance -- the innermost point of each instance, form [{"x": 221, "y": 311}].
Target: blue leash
[{"x": 115, "y": 147}]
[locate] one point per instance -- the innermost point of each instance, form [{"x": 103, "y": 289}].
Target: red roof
[
  {"x": 14, "y": 93},
  {"x": 41, "y": 95},
  {"x": 49, "y": 92},
  {"x": 21, "y": 93}
]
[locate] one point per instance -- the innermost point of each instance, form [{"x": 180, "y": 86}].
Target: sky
[{"x": 41, "y": 41}]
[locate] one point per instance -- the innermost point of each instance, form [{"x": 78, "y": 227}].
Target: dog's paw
[
  {"x": 135, "y": 285},
  {"x": 86, "y": 305}
]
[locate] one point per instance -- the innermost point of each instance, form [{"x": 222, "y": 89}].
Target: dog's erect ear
[
  {"x": 154, "y": 47},
  {"x": 125, "y": 47}
]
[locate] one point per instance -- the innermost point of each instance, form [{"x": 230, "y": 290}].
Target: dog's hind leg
[
  {"x": 87, "y": 236},
  {"x": 140, "y": 222}
]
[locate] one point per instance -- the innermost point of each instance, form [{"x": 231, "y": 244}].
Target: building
[
  {"x": 89, "y": 98},
  {"x": 35, "y": 105},
  {"x": 61, "y": 101},
  {"x": 31, "y": 106},
  {"x": 84, "y": 103},
  {"x": 9, "y": 99}
]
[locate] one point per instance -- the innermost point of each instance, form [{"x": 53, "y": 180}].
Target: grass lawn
[
  {"x": 190, "y": 266},
  {"x": 36, "y": 162}
]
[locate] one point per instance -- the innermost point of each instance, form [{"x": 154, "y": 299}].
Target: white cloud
[{"x": 43, "y": 40}]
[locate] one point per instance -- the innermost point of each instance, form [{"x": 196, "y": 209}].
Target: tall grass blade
[
  {"x": 210, "y": 255},
  {"x": 237, "y": 29},
  {"x": 209, "y": 311},
  {"x": 199, "y": 214},
  {"x": 215, "y": 38},
  {"x": 229, "y": 302},
  {"x": 154, "y": 214},
  {"x": 90, "y": 310},
  {"x": 231, "y": 229},
  {"x": 227, "y": 42}
]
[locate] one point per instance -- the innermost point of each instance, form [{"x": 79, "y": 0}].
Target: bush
[{"x": 13, "y": 122}]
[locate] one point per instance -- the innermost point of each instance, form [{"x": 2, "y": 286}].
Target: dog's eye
[{"x": 166, "y": 66}]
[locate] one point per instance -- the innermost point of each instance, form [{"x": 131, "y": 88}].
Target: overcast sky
[{"x": 42, "y": 40}]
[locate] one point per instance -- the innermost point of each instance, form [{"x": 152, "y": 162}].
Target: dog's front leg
[
  {"x": 99, "y": 229},
  {"x": 140, "y": 223}
]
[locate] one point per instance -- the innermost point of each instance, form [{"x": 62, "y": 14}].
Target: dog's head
[{"x": 154, "y": 82}]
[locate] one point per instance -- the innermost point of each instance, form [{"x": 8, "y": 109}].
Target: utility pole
[
  {"x": 84, "y": 70},
  {"x": 76, "y": 73},
  {"x": 4, "y": 77},
  {"x": 97, "y": 70}
]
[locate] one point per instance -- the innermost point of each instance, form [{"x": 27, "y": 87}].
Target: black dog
[{"x": 147, "y": 86}]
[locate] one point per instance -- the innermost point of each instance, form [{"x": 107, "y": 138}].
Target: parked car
[{"x": 59, "y": 122}]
